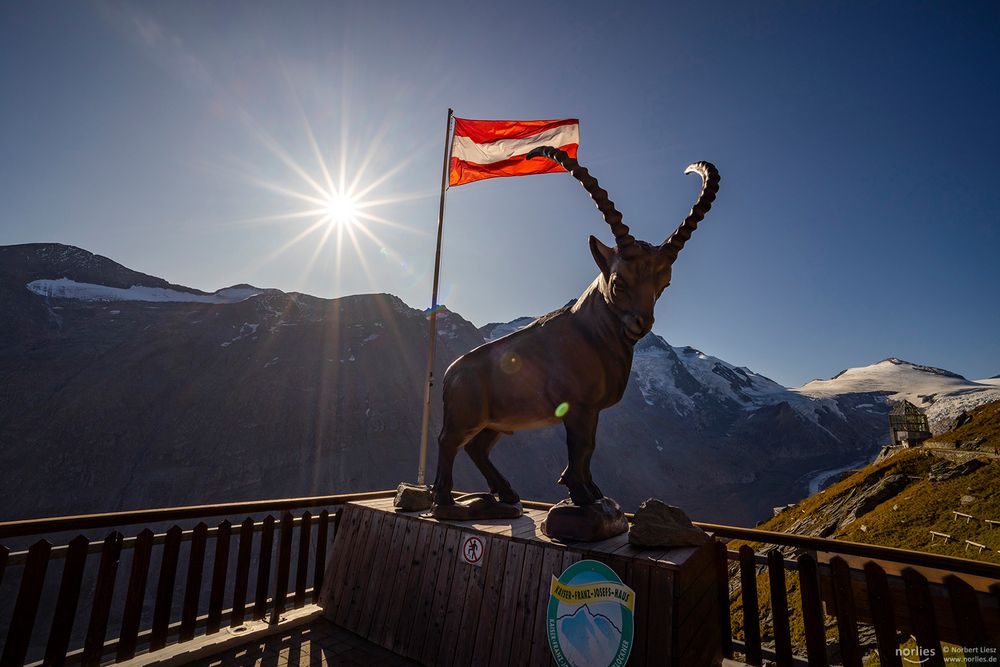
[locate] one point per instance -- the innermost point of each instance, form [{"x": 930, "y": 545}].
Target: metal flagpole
[{"x": 425, "y": 425}]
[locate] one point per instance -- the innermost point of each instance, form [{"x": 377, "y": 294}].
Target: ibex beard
[{"x": 568, "y": 365}]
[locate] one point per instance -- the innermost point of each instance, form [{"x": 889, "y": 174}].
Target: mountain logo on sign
[{"x": 590, "y": 617}]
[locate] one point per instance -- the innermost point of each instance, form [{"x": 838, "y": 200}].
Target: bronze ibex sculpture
[{"x": 567, "y": 365}]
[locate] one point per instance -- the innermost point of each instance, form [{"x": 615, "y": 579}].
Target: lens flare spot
[
  {"x": 437, "y": 309},
  {"x": 562, "y": 409},
  {"x": 510, "y": 363}
]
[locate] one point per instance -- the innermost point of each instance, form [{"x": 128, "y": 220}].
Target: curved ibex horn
[
  {"x": 709, "y": 188},
  {"x": 600, "y": 196}
]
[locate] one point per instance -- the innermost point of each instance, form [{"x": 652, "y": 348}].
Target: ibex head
[{"x": 635, "y": 273}]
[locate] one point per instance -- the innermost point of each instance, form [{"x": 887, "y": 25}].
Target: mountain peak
[
  {"x": 54, "y": 261},
  {"x": 894, "y": 361}
]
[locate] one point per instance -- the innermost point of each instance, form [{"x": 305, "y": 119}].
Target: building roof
[{"x": 905, "y": 408}]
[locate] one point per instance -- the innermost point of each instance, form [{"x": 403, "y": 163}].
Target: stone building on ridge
[{"x": 908, "y": 425}]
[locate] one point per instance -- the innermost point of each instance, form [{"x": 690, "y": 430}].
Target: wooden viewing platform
[
  {"x": 400, "y": 581},
  {"x": 240, "y": 584}
]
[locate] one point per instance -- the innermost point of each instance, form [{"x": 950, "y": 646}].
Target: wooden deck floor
[{"x": 318, "y": 643}]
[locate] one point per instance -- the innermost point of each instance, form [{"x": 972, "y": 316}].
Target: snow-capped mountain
[
  {"x": 942, "y": 394},
  {"x": 121, "y": 390},
  {"x": 666, "y": 374}
]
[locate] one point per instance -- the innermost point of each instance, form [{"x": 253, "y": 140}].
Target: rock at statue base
[
  {"x": 412, "y": 498},
  {"x": 658, "y": 524},
  {"x": 476, "y": 506},
  {"x": 585, "y": 523}
]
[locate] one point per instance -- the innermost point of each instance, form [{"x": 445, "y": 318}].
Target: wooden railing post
[
  {"x": 22, "y": 621},
  {"x": 302, "y": 563},
  {"x": 880, "y": 606},
  {"x": 263, "y": 568},
  {"x": 165, "y": 589},
  {"x": 812, "y": 610},
  {"x": 242, "y": 580},
  {"x": 192, "y": 588},
  {"x": 322, "y": 532},
  {"x": 918, "y": 597},
  {"x": 66, "y": 604},
  {"x": 284, "y": 565},
  {"x": 104, "y": 591},
  {"x": 966, "y": 612},
  {"x": 847, "y": 618},
  {"x": 725, "y": 620},
  {"x": 136, "y": 595},
  {"x": 751, "y": 611},
  {"x": 779, "y": 608},
  {"x": 220, "y": 570}
]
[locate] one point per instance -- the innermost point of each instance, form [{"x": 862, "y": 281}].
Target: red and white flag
[{"x": 490, "y": 148}]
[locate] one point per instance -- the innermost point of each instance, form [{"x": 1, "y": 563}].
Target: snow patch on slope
[
  {"x": 653, "y": 370},
  {"x": 501, "y": 330},
  {"x": 64, "y": 288},
  {"x": 726, "y": 380},
  {"x": 248, "y": 329}
]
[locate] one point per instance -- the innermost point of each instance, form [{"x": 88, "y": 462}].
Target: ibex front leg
[
  {"x": 590, "y": 480},
  {"x": 581, "y": 431}
]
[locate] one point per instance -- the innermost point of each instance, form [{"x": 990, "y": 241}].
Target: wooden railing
[
  {"x": 172, "y": 592},
  {"x": 185, "y": 581},
  {"x": 816, "y": 583}
]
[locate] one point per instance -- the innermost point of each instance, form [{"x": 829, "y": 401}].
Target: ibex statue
[{"x": 577, "y": 358}]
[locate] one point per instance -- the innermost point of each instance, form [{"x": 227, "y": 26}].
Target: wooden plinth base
[{"x": 400, "y": 580}]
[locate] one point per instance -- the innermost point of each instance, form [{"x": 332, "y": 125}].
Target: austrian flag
[{"x": 490, "y": 148}]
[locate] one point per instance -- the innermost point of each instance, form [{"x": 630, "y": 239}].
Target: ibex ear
[{"x": 602, "y": 255}]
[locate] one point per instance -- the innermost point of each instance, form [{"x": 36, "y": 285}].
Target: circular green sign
[{"x": 590, "y": 620}]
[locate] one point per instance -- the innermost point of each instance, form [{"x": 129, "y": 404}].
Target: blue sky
[{"x": 858, "y": 144}]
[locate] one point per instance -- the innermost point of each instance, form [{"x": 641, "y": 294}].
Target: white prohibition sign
[{"x": 473, "y": 550}]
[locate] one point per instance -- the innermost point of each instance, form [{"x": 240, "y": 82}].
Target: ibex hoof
[
  {"x": 509, "y": 498},
  {"x": 583, "y": 497},
  {"x": 477, "y": 506},
  {"x": 590, "y": 523}
]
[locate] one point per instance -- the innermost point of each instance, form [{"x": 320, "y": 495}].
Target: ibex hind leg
[
  {"x": 479, "y": 451},
  {"x": 449, "y": 442}
]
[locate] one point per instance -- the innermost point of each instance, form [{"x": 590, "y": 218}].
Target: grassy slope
[
  {"x": 985, "y": 424},
  {"x": 903, "y": 521}
]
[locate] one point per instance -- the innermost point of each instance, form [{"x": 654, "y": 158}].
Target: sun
[
  {"x": 332, "y": 205},
  {"x": 342, "y": 209}
]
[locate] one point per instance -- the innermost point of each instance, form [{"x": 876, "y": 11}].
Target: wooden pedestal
[{"x": 399, "y": 580}]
